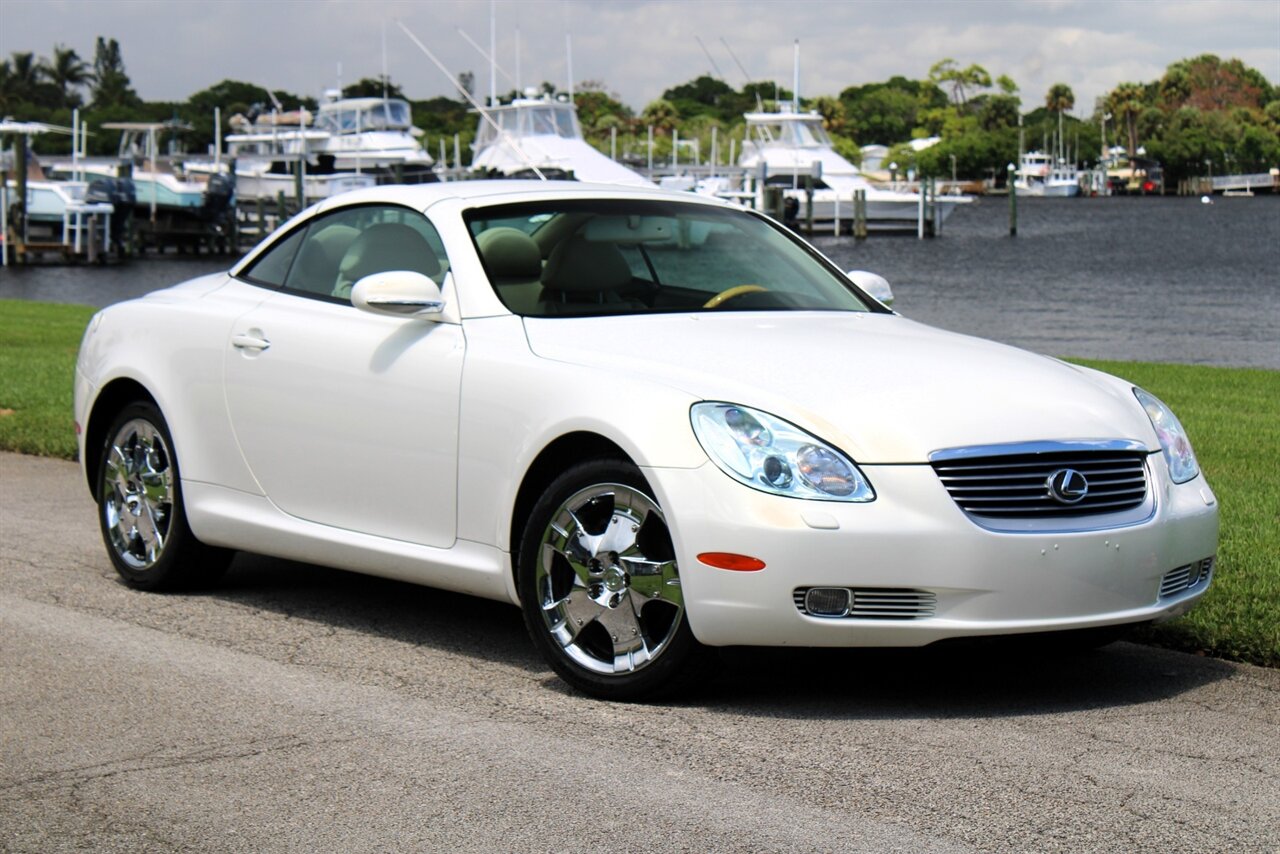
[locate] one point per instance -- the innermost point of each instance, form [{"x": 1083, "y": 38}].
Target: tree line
[{"x": 1204, "y": 114}]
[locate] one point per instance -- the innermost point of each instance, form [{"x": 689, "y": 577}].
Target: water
[{"x": 1150, "y": 279}]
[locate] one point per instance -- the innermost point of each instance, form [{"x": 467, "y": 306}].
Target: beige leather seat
[
  {"x": 322, "y": 252},
  {"x": 586, "y": 277},
  {"x": 386, "y": 246},
  {"x": 514, "y": 264}
]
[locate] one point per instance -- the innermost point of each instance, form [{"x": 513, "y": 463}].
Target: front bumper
[{"x": 914, "y": 538}]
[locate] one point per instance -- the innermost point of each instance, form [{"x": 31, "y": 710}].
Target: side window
[
  {"x": 273, "y": 266},
  {"x": 343, "y": 247}
]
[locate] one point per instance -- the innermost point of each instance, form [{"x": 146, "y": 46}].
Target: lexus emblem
[{"x": 1067, "y": 486}]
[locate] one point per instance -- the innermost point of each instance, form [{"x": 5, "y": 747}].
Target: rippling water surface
[{"x": 1153, "y": 279}]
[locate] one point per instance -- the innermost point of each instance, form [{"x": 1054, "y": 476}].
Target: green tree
[
  {"x": 963, "y": 81},
  {"x": 111, "y": 86},
  {"x": 890, "y": 111},
  {"x": 661, "y": 115},
  {"x": 1126, "y": 103},
  {"x": 372, "y": 87},
  {"x": 67, "y": 71},
  {"x": 22, "y": 76}
]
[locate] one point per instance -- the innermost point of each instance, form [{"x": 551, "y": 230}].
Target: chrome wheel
[
  {"x": 606, "y": 580},
  {"x": 138, "y": 493}
]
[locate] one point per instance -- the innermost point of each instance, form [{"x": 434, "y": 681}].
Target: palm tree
[
  {"x": 661, "y": 114},
  {"x": 1125, "y": 102},
  {"x": 961, "y": 80},
  {"x": 1059, "y": 99},
  {"x": 24, "y": 76},
  {"x": 67, "y": 71}
]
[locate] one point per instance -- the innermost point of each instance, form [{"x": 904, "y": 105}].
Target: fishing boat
[
  {"x": 534, "y": 135},
  {"x": 786, "y": 146},
  {"x": 164, "y": 191},
  {"x": 1041, "y": 174},
  {"x": 40, "y": 213}
]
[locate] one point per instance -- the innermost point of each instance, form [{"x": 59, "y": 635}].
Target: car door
[{"x": 346, "y": 418}]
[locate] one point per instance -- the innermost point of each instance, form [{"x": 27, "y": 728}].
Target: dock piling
[{"x": 1013, "y": 202}]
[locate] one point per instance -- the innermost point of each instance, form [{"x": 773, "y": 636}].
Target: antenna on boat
[
  {"x": 519, "y": 88},
  {"x": 484, "y": 114},
  {"x": 745, "y": 75},
  {"x": 795, "y": 81},
  {"x": 711, "y": 60},
  {"x": 568, "y": 46},
  {"x": 493, "y": 65},
  {"x": 384, "y": 60}
]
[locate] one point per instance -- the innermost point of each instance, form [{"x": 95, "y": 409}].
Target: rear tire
[
  {"x": 140, "y": 509},
  {"x": 600, "y": 588}
]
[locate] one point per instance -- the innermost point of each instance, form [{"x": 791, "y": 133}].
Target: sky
[{"x": 639, "y": 48}]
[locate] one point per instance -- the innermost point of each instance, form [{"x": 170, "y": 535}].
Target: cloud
[{"x": 639, "y": 48}]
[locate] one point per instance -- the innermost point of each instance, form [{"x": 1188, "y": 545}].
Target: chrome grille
[
  {"x": 1185, "y": 578},
  {"x": 879, "y": 603},
  {"x": 1014, "y": 485}
]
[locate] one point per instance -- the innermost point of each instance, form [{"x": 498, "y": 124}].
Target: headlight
[
  {"x": 772, "y": 455},
  {"x": 1173, "y": 439}
]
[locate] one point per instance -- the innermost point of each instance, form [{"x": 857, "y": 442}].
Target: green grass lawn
[
  {"x": 38, "y": 343},
  {"x": 1233, "y": 416}
]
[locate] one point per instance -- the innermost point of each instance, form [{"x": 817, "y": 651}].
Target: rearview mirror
[
  {"x": 400, "y": 293},
  {"x": 874, "y": 284}
]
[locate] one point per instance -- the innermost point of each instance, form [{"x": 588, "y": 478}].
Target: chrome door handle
[{"x": 249, "y": 342}]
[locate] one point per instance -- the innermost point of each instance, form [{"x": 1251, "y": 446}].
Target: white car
[{"x": 659, "y": 423}]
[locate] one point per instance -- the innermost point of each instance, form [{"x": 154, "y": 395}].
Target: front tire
[
  {"x": 140, "y": 509},
  {"x": 600, "y": 588}
]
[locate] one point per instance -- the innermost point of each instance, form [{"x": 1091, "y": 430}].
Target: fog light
[{"x": 828, "y": 601}]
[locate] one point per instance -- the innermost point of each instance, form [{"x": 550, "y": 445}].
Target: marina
[{"x": 1149, "y": 279}]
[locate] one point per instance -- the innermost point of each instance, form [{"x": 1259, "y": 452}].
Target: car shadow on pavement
[
  {"x": 987, "y": 678},
  {"x": 993, "y": 677},
  {"x": 395, "y": 610}
]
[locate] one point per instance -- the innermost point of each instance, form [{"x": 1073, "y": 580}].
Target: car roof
[{"x": 422, "y": 196}]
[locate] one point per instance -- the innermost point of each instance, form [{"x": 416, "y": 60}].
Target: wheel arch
[
  {"x": 113, "y": 398},
  {"x": 546, "y": 467}
]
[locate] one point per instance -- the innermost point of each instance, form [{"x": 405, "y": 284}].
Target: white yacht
[
  {"x": 1041, "y": 174},
  {"x": 543, "y": 133},
  {"x": 349, "y": 144},
  {"x": 788, "y": 144},
  {"x": 370, "y": 134}
]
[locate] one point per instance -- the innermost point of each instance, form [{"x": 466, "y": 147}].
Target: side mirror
[
  {"x": 400, "y": 293},
  {"x": 874, "y": 284}
]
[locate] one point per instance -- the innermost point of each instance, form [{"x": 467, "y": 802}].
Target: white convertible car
[{"x": 658, "y": 423}]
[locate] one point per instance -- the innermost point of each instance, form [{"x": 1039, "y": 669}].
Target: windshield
[
  {"x": 615, "y": 256},
  {"x": 384, "y": 115},
  {"x": 798, "y": 134}
]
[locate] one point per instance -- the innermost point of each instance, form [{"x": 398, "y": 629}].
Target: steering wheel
[{"x": 730, "y": 293}]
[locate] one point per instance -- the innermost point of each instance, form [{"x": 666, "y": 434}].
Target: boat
[
  {"x": 272, "y": 152},
  {"x": 370, "y": 135},
  {"x": 786, "y": 146},
  {"x": 349, "y": 144},
  {"x": 65, "y": 216},
  {"x": 170, "y": 205},
  {"x": 533, "y": 135},
  {"x": 163, "y": 189},
  {"x": 1041, "y": 174}
]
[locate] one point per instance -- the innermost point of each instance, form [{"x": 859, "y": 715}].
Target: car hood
[{"x": 882, "y": 388}]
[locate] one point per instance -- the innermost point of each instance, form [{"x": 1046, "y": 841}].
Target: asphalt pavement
[{"x": 296, "y": 708}]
